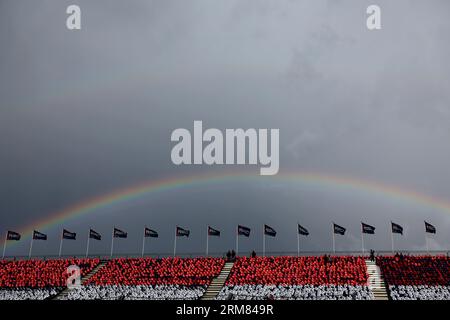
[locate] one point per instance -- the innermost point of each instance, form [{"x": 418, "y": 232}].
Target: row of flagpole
[{"x": 240, "y": 231}]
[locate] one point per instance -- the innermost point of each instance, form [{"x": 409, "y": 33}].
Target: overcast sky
[{"x": 84, "y": 113}]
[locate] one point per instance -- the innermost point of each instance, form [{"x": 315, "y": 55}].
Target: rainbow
[{"x": 170, "y": 184}]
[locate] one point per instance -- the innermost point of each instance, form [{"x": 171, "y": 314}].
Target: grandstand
[
  {"x": 416, "y": 277},
  {"x": 293, "y": 278},
  {"x": 37, "y": 279},
  {"x": 149, "y": 278},
  {"x": 257, "y": 278}
]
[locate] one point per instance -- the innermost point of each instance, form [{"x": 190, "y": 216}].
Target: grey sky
[{"x": 88, "y": 112}]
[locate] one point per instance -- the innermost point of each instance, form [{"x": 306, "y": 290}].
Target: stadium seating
[
  {"x": 297, "y": 278},
  {"x": 41, "y": 273},
  {"x": 420, "y": 270},
  {"x": 139, "y": 292},
  {"x": 416, "y": 278},
  {"x": 298, "y": 271},
  {"x": 134, "y": 278},
  {"x": 165, "y": 271},
  {"x": 295, "y": 292},
  {"x": 28, "y": 293},
  {"x": 148, "y": 278},
  {"x": 37, "y": 279},
  {"x": 421, "y": 292},
  {"x": 257, "y": 278}
]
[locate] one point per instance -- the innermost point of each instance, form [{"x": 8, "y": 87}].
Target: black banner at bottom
[{"x": 219, "y": 309}]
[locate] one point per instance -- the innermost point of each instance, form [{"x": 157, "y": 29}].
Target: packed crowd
[
  {"x": 299, "y": 270},
  {"x": 139, "y": 292},
  {"x": 295, "y": 292},
  {"x": 151, "y": 272},
  {"x": 297, "y": 278},
  {"x": 37, "y": 279},
  {"x": 28, "y": 293},
  {"x": 415, "y": 270},
  {"x": 422, "y": 292},
  {"x": 253, "y": 278},
  {"x": 148, "y": 278},
  {"x": 416, "y": 277},
  {"x": 41, "y": 273}
]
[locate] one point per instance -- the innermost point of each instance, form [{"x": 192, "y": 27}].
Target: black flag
[
  {"x": 149, "y": 233},
  {"x": 243, "y": 231},
  {"x": 69, "y": 235},
  {"x": 429, "y": 228},
  {"x": 302, "y": 230},
  {"x": 213, "y": 232},
  {"x": 269, "y": 231},
  {"x": 94, "y": 235},
  {"x": 367, "y": 228},
  {"x": 338, "y": 229},
  {"x": 119, "y": 233},
  {"x": 39, "y": 235},
  {"x": 182, "y": 232},
  {"x": 396, "y": 228},
  {"x": 15, "y": 236}
]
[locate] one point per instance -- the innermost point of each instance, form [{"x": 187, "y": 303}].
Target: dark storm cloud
[{"x": 88, "y": 112}]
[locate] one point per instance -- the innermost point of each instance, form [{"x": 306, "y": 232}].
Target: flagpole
[
  {"x": 237, "y": 241},
  {"x": 334, "y": 240},
  {"x": 87, "y": 246},
  {"x": 264, "y": 242},
  {"x": 426, "y": 240},
  {"x": 392, "y": 239},
  {"x": 143, "y": 242},
  {"x": 298, "y": 242},
  {"x": 175, "y": 243},
  {"x": 362, "y": 241},
  {"x": 207, "y": 240},
  {"x": 60, "y": 244},
  {"x": 4, "y": 245},
  {"x": 112, "y": 242},
  {"x": 31, "y": 246}
]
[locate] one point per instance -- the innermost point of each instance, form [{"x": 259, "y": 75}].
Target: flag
[
  {"x": 94, "y": 235},
  {"x": 69, "y": 235},
  {"x": 119, "y": 233},
  {"x": 367, "y": 228},
  {"x": 243, "y": 231},
  {"x": 213, "y": 232},
  {"x": 302, "y": 230},
  {"x": 269, "y": 231},
  {"x": 338, "y": 229},
  {"x": 39, "y": 236},
  {"x": 396, "y": 228},
  {"x": 429, "y": 228},
  {"x": 13, "y": 236},
  {"x": 182, "y": 232},
  {"x": 149, "y": 233}
]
